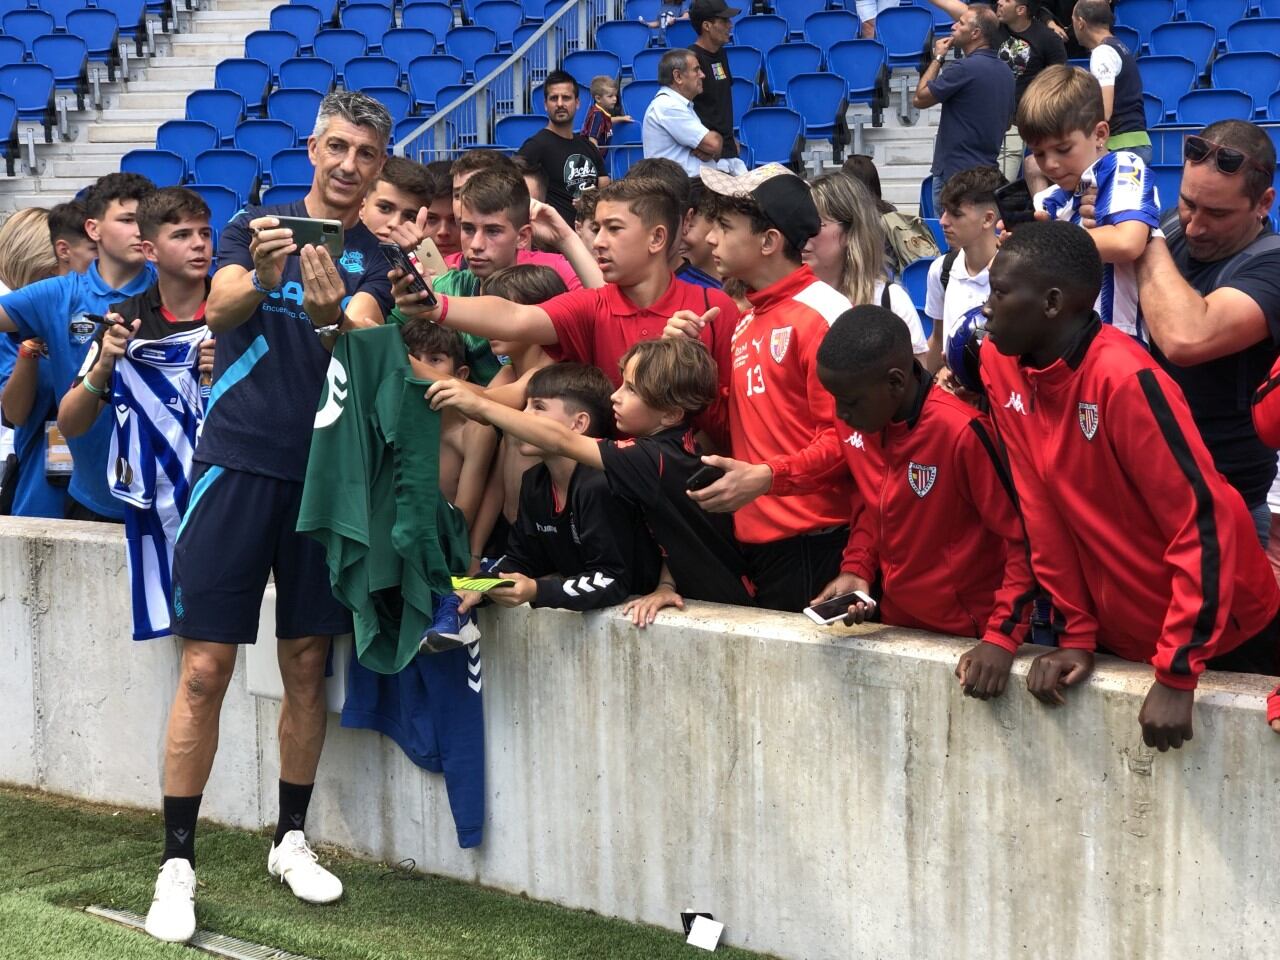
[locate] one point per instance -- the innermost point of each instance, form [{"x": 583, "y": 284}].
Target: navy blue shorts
[{"x": 238, "y": 528}]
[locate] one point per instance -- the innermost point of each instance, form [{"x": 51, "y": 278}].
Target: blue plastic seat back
[
  {"x": 830, "y": 27},
  {"x": 1221, "y": 13},
  {"x": 819, "y": 98},
  {"x": 1168, "y": 177},
  {"x": 186, "y": 138},
  {"x": 680, "y": 34},
  {"x": 58, "y": 9},
  {"x": 762, "y": 31},
  {"x": 637, "y": 95},
  {"x": 915, "y": 280},
  {"x": 586, "y": 65},
  {"x": 500, "y": 16},
  {"x": 65, "y": 55},
  {"x": 797, "y": 13},
  {"x": 625, "y": 133},
  {"x": 26, "y": 25},
  {"x": 272, "y": 47},
  {"x": 785, "y": 62},
  {"x": 1273, "y": 107},
  {"x": 99, "y": 29},
  {"x": 370, "y": 20},
  {"x": 620, "y": 158},
  {"x": 404, "y": 44},
  {"x": 645, "y": 65},
  {"x": 861, "y": 63},
  {"x": 12, "y": 50},
  {"x": 398, "y": 102},
  {"x": 308, "y": 73},
  {"x": 1255, "y": 72},
  {"x": 1259, "y": 33},
  {"x": 371, "y": 72},
  {"x": 221, "y": 109},
  {"x": 223, "y": 204},
  {"x": 279, "y": 193},
  {"x": 340, "y": 47},
  {"x": 164, "y": 168},
  {"x": 428, "y": 74},
  {"x": 264, "y": 138},
  {"x": 435, "y": 18},
  {"x": 130, "y": 13},
  {"x": 1269, "y": 8},
  {"x": 514, "y": 130},
  {"x": 1145, "y": 15},
  {"x": 1194, "y": 40},
  {"x": 295, "y": 107},
  {"x": 1167, "y": 78},
  {"x": 632, "y": 9},
  {"x": 237, "y": 170},
  {"x": 624, "y": 39},
  {"x": 744, "y": 98},
  {"x": 1153, "y": 110},
  {"x": 291, "y": 165},
  {"x": 771, "y": 132},
  {"x": 744, "y": 62},
  {"x": 469, "y": 44},
  {"x": 31, "y": 86},
  {"x": 302, "y": 22},
  {"x": 904, "y": 31},
  {"x": 249, "y": 78},
  {"x": 1203, "y": 107}
]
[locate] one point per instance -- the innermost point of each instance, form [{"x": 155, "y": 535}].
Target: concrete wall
[{"x": 827, "y": 794}]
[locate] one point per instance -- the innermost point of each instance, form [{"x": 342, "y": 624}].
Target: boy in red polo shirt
[
  {"x": 778, "y": 408},
  {"x": 639, "y": 220}
]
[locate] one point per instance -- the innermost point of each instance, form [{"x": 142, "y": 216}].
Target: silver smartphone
[
  {"x": 317, "y": 233},
  {"x": 829, "y": 611}
]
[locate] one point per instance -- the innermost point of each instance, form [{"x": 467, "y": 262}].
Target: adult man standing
[
  {"x": 976, "y": 93},
  {"x": 671, "y": 127},
  {"x": 1210, "y": 296},
  {"x": 712, "y": 21},
  {"x": 1116, "y": 68},
  {"x": 275, "y": 309},
  {"x": 569, "y": 160}
]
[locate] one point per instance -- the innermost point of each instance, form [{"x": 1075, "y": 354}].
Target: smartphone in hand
[
  {"x": 399, "y": 260},
  {"x": 837, "y": 608},
  {"x": 704, "y": 477}
]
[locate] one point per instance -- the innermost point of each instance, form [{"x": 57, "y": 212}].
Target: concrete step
[
  {"x": 207, "y": 48},
  {"x": 239, "y": 26},
  {"x": 153, "y": 100},
  {"x": 81, "y": 168},
  {"x": 121, "y": 133}
]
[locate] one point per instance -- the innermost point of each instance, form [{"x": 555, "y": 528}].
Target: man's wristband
[
  {"x": 26, "y": 353},
  {"x": 257, "y": 285},
  {"x": 444, "y": 307},
  {"x": 96, "y": 391}
]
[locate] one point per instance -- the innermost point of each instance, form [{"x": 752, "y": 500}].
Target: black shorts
[
  {"x": 789, "y": 573},
  {"x": 239, "y": 527}
]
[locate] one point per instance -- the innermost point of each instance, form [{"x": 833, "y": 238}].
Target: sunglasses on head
[{"x": 1229, "y": 160}]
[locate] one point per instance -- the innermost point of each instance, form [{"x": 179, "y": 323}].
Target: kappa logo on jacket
[
  {"x": 921, "y": 477},
  {"x": 1088, "y": 416},
  {"x": 855, "y": 440},
  {"x": 1015, "y": 403}
]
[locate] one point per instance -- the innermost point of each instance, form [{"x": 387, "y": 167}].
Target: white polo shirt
[
  {"x": 671, "y": 130},
  {"x": 964, "y": 292}
]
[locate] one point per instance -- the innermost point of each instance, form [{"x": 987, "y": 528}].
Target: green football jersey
[
  {"x": 484, "y": 365},
  {"x": 372, "y": 497}
]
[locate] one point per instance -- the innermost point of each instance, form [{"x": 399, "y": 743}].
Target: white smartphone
[{"x": 829, "y": 611}]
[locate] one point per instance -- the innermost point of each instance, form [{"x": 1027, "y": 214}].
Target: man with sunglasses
[{"x": 1210, "y": 296}]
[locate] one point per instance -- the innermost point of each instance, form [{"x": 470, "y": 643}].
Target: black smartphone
[
  {"x": 315, "y": 232},
  {"x": 704, "y": 476},
  {"x": 1015, "y": 203},
  {"x": 829, "y": 611},
  {"x": 399, "y": 260}
]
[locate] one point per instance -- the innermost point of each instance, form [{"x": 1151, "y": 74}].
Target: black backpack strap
[
  {"x": 884, "y": 296},
  {"x": 948, "y": 262}
]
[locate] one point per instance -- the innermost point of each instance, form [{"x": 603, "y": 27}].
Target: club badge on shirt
[
  {"x": 921, "y": 477},
  {"x": 779, "y": 340},
  {"x": 1088, "y": 416}
]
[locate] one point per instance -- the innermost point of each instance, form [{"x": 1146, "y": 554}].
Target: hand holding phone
[
  {"x": 1016, "y": 203},
  {"x": 704, "y": 477},
  {"x": 837, "y": 608},
  {"x": 399, "y": 260},
  {"x": 309, "y": 231}
]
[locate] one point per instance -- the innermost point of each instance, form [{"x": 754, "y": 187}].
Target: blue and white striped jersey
[
  {"x": 158, "y": 410},
  {"x": 1126, "y": 191}
]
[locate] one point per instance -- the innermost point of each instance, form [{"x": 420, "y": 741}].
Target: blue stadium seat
[
  {"x": 926, "y": 198},
  {"x": 186, "y": 138},
  {"x": 1203, "y": 107},
  {"x": 302, "y": 22},
  {"x": 514, "y": 130},
  {"x": 1273, "y": 108},
  {"x": 469, "y": 44},
  {"x": 645, "y": 65},
  {"x": 404, "y": 43},
  {"x": 100, "y": 31},
  {"x": 904, "y": 31},
  {"x": 1153, "y": 110},
  {"x": 428, "y": 74},
  {"x": 533, "y": 14},
  {"x": 830, "y": 27},
  {"x": 744, "y": 98},
  {"x": 915, "y": 280},
  {"x": 862, "y": 64},
  {"x": 1168, "y": 177},
  {"x": 935, "y": 227},
  {"x": 784, "y": 62},
  {"x": 58, "y": 9},
  {"x": 9, "y": 133},
  {"x": 279, "y": 193},
  {"x": 398, "y": 103},
  {"x": 1254, "y": 34},
  {"x": 942, "y": 20},
  {"x": 272, "y": 47},
  {"x": 340, "y": 47},
  {"x": 223, "y": 204},
  {"x": 1221, "y": 13},
  {"x": 464, "y": 117},
  {"x": 624, "y": 39},
  {"x": 296, "y": 108},
  {"x": 1194, "y": 40},
  {"x": 637, "y": 95},
  {"x": 13, "y": 50},
  {"x": 620, "y": 158},
  {"x": 1130, "y": 37},
  {"x": 221, "y": 109},
  {"x": 487, "y": 64},
  {"x": 264, "y": 138},
  {"x": 327, "y": 8},
  {"x": 435, "y": 18},
  {"x": 31, "y": 87},
  {"x": 1255, "y": 72},
  {"x": 773, "y": 134},
  {"x": 131, "y": 15},
  {"x": 500, "y": 16},
  {"x": 249, "y": 78},
  {"x": 820, "y": 99},
  {"x": 1167, "y": 78},
  {"x": 1269, "y": 8},
  {"x": 370, "y": 20},
  {"x": 625, "y": 134},
  {"x": 797, "y": 12},
  {"x": 764, "y": 32},
  {"x": 744, "y": 62},
  {"x": 26, "y": 25},
  {"x": 586, "y": 65},
  {"x": 680, "y": 34},
  {"x": 237, "y": 170},
  {"x": 403, "y": 131},
  {"x": 632, "y": 9},
  {"x": 291, "y": 165},
  {"x": 308, "y": 73},
  {"x": 371, "y": 72},
  {"x": 68, "y": 58},
  {"x": 1145, "y": 15},
  {"x": 164, "y": 168}
]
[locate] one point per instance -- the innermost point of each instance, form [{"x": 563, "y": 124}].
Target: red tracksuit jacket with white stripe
[
  {"x": 1145, "y": 548},
  {"x": 934, "y": 519}
]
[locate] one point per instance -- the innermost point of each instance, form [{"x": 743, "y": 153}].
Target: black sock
[
  {"x": 180, "y": 815},
  {"x": 294, "y": 798}
]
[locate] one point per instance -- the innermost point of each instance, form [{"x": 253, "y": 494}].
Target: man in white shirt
[
  {"x": 957, "y": 281},
  {"x": 671, "y": 127}
]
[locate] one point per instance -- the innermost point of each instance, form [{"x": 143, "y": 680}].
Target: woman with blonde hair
[
  {"x": 29, "y": 400},
  {"x": 848, "y": 251}
]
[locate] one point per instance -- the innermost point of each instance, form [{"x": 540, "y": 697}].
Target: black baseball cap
[
  {"x": 783, "y": 198},
  {"x": 710, "y": 9}
]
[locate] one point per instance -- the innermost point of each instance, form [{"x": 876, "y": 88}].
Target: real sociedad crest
[
  {"x": 352, "y": 261},
  {"x": 921, "y": 477},
  {"x": 779, "y": 340},
  {"x": 1088, "y": 416}
]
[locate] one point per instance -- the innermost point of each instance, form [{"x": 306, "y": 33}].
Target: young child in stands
[
  {"x": 1061, "y": 118},
  {"x": 597, "y": 126},
  {"x": 664, "y": 384}
]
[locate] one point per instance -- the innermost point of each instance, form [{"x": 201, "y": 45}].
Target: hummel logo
[
  {"x": 1015, "y": 402},
  {"x": 756, "y": 343},
  {"x": 181, "y": 835},
  {"x": 586, "y": 584},
  {"x": 296, "y": 820},
  {"x": 855, "y": 440},
  {"x": 174, "y": 402}
]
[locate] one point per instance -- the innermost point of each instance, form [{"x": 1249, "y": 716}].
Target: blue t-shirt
[
  {"x": 268, "y": 372},
  {"x": 35, "y": 496},
  {"x": 977, "y": 97},
  {"x": 54, "y": 310}
]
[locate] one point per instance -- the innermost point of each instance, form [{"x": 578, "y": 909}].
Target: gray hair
[
  {"x": 356, "y": 109},
  {"x": 673, "y": 60}
]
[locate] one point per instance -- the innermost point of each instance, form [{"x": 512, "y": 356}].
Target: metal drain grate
[{"x": 217, "y": 944}]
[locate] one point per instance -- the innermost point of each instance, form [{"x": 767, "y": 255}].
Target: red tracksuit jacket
[
  {"x": 1145, "y": 548},
  {"x": 935, "y": 519}
]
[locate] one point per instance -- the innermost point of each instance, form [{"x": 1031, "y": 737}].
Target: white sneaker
[
  {"x": 294, "y": 863},
  {"x": 172, "y": 916}
]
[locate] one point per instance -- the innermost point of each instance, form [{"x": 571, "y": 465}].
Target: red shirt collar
[
  {"x": 170, "y": 318},
  {"x": 621, "y": 306},
  {"x": 783, "y": 289}
]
